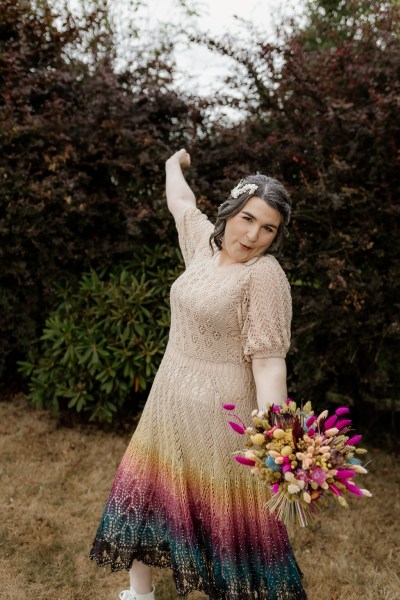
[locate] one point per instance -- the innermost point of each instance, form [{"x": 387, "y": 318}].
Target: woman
[{"x": 179, "y": 500}]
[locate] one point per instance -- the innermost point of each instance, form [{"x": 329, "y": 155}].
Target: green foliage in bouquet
[{"x": 103, "y": 343}]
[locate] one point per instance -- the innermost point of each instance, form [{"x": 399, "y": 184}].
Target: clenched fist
[{"x": 182, "y": 157}]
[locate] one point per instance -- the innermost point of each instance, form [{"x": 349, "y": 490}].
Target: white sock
[{"x": 149, "y": 596}]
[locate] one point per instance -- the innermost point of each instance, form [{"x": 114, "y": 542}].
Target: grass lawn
[{"x": 55, "y": 481}]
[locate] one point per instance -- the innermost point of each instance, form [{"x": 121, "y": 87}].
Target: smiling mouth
[{"x": 246, "y": 247}]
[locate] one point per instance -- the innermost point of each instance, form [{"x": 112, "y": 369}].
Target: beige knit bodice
[{"x": 231, "y": 314}]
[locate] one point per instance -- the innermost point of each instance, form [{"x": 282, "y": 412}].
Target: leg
[{"x": 140, "y": 577}]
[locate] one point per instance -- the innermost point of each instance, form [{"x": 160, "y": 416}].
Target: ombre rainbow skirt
[{"x": 179, "y": 501}]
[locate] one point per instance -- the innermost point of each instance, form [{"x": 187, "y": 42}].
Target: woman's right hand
[{"x": 182, "y": 157}]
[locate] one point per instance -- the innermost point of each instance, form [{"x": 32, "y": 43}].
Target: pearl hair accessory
[{"x": 242, "y": 188}]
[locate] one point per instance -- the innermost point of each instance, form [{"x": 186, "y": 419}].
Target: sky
[{"x": 199, "y": 70}]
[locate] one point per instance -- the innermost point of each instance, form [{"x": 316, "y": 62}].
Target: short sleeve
[
  {"x": 194, "y": 230},
  {"x": 267, "y": 311}
]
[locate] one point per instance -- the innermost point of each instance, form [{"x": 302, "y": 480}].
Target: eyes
[{"x": 267, "y": 227}]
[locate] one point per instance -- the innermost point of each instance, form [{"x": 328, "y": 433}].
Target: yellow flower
[
  {"x": 286, "y": 450},
  {"x": 278, "y": 434},
  {"x": 307, "y": 408},
  {"x": 258, "y": 439}
]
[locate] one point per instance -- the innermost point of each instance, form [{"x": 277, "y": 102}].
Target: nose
[{"x": 252, "y": 232}]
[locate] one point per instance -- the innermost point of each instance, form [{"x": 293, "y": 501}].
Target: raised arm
[
  {"x": 179, "y": 195},
  {"x": 270, "y": 379}
]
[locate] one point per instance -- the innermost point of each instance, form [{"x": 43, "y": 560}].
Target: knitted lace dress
[{"x": 179, "y": 500}]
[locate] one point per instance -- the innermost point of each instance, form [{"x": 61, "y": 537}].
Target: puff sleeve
[
  {"x": 267, "y": 311},
  {"x": 194, "y": 230}
]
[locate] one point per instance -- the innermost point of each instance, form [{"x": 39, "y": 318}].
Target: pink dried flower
[
  {"x": 317, "y": 475},
  {"x": 236, "y": 427},
  {"x": 275, "y": 488},
  {"x": 343, "y": 410},
  {"x": 301, "y": 474},
  {"x": 352, "y": 488},
  {"x": 345, "y": 473},
  {"x": 311, "y": 432},
  {"x": 334, "y": 489},
  {"x": 276, "y": 408},
  {"x": 343, "y": 423},
  {"x": 286, "y": 467},
  {"x": 354, "y": 440},
  {"x": 288, "y": 401},
  {"x": 245, "y": 461},
  {"x": 330, "y": 422},
  {"x": 229, "y": 406},
  {"x": 311, "y": 420}
]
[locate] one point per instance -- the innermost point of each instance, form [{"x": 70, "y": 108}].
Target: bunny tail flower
[
  {"x": 356, "y": 439},
  {"x": 323, "y": 415},
  {"x": 245, "y": 461},
  {"x": 331, "y": 432},
  {"x": 330, "y": 422},
  {"x": 343, "y": 423},
  {"x": 310, "y": 421},
  {"x": 352, "y": 488},
  {"x": 359, "y": 469},
  {"x": 236, "y": 427},
  {"x": 334, "y": 489},
  {"x": 345, "y": 473},
  {"x": 343, "y": 410},
  {"x": 343, "y": 502}
]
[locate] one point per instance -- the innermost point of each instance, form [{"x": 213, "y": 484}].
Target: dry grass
[{"x": 54, "y": 483}]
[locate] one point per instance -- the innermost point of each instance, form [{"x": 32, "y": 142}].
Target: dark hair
[{"x": 268, "y": 189}]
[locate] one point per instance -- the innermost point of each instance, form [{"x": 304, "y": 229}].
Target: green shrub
[{"x": 102, "y": 345}]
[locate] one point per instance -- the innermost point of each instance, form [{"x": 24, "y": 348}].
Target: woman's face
[{"x": 250, "y": 232}]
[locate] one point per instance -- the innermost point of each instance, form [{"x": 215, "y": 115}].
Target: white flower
[
  {"x": 242, "y": 188},
  {"x": 323, "y": 415},
  {"x": 357, "y": 468}
]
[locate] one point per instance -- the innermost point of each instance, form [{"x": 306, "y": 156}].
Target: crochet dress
[{"x": 179, "y": 499}]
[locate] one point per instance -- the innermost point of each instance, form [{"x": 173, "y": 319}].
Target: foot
[{"x": 129, "y": 595}]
